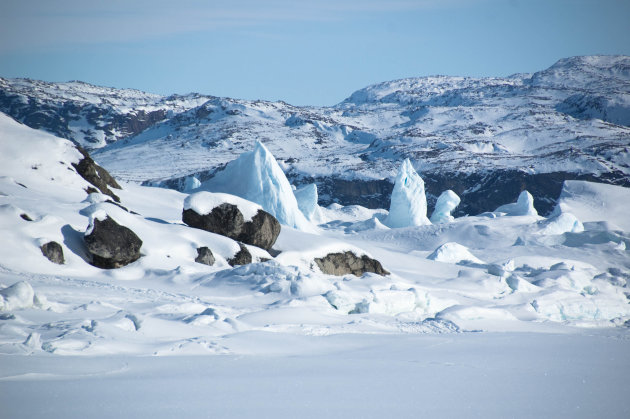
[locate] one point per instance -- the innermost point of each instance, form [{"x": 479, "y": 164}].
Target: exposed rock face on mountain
[
  {"x": 486, "y": 139},
  {"x": 92, "y": 116},
  {"x": 348, "y": 263},
  {"x": 96, "y": 175},
  {"x": 112, "y": 245},
  {"x": 54, "y": 252}
]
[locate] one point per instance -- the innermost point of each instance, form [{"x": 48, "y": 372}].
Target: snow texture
[
  {"x": 524, "y": 205},
  {"x": 256, "y": 176},
  {"x": 408, "y": 207},
  {"x": 446, "y": 203}
]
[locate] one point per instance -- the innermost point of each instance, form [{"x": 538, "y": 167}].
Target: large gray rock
[
  {"x": 227, "y": 220},
  {"x": 54, "y": 252},
  {"x": 96, "y": 175},
  {"x": 205, "y": 256},
  {"x": 112, "y": 245},
  {"x": 348, "y": 263}
]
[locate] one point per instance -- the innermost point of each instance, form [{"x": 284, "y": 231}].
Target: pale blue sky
[{"x": 305, "y": 53}]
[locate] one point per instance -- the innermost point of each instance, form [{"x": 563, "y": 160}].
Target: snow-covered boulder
[
  {"x": 453, "y": 253},
  {"x": 408, "y": 206},
  {"x": 231, "y": 216},
  {"x": 307, "y": 202},
  {"x": 344, "y": 263},
  {"x": 257, "y": 177},
  {"x": 524, "y": 205},
  {"x": 242, "y": 257},
  {"x": 446, "y": 202},
  {"x": 110, "y": 244}
]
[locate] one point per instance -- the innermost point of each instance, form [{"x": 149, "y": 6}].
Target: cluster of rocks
[
  {"x": 111, "y": 245},
  {"x": 228, "y": 220}
]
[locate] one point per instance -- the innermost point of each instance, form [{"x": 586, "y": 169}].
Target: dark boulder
[
  {"x": 112, "y": 245},
  {"x": 227, "y": 220},
  {"x": 26, "y": 217},
  {"x": 96, "y": 175},
  {"x": 242, "y": 257},
  {"x": 348, "y": 263},
  {"x": 54, "y": 252},
  {"x": 205, "y": 256}
]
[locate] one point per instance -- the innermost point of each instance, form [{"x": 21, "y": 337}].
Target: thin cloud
[{"x": 27, "y": 25}]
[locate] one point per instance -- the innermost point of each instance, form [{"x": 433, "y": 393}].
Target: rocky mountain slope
[{"x": 485, "y": 138}]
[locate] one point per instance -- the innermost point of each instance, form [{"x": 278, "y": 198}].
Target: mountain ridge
[{"x": 486, "y": 138}]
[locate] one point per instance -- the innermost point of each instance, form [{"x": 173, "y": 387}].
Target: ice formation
[
  {"x": 565, "y": 222},
  {"x": 446, "y": 203},
  {"x": 408, "y": 205},
  {"x": 256, "y": 176},
  {"x": 524, "y": 205},
  {"x": 191, "y": 183},
  {"x": 307, "y": 202}
]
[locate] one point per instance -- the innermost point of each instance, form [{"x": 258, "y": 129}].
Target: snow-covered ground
[{"x": 493, "y": 315}]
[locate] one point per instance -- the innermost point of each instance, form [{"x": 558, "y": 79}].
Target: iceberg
[
  {"x": 307, "y": 202},
  {"x": 446, "y": 203},
  {"x": 524, "y": 205},
  {"x": 408, "y": 205},
  {"x": 257, "y": 177},
  {"x": 191, "y": 183}
]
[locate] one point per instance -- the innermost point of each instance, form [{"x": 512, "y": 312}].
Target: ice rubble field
[{"x": 492, "y": 315}]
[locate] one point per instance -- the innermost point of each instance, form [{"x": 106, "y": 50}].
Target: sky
[{"x": 314, "y": 52}]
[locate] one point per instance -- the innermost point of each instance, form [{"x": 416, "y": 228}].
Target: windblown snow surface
[{"x": 487, "y": 316}]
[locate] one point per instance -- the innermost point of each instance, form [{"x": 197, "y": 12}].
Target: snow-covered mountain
[{"x": 486, "y": 139}]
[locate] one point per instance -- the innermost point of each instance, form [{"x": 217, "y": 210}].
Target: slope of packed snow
[{"x": 592, "y": 202}]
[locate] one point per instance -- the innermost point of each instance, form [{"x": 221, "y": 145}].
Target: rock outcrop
[
  {"x": 53, "y": 251},
  {"x": 112, "y": 245},
  {"x": 205, "y": 256},
  {"x": 242, "y": 257},
  {"x": 96, "y": 175},
  {"x": 348, "y": 263},
  {"x": 227, "y": 220}
]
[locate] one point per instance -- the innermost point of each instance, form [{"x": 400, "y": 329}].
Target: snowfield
[{"x": 500, "y": 314}]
